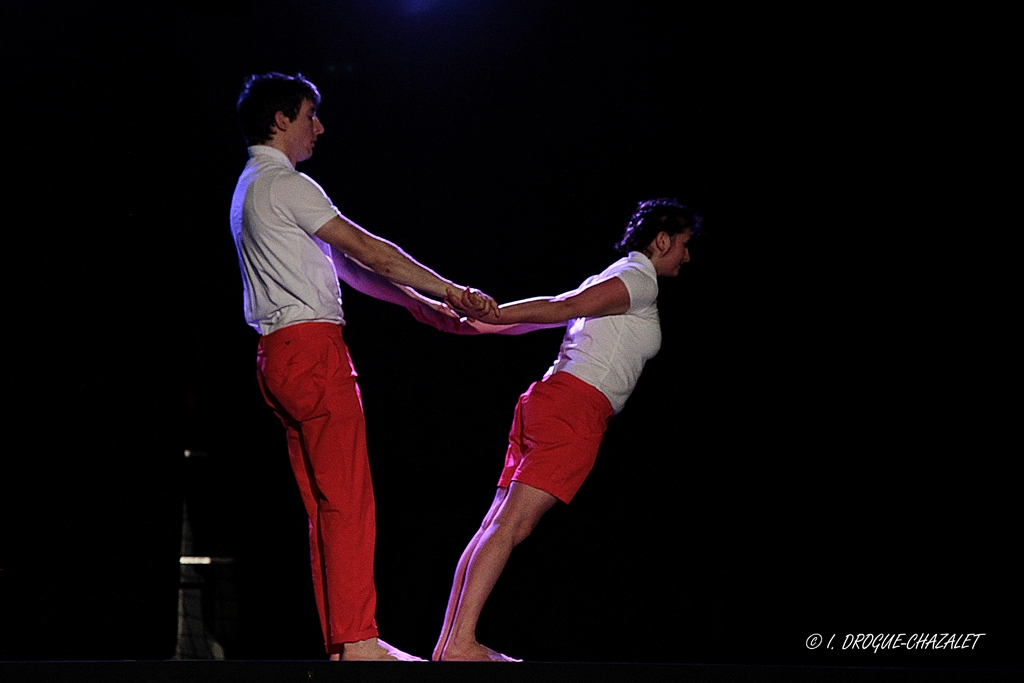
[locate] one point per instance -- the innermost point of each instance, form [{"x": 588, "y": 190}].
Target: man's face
[{"x": 303, "y": 131}]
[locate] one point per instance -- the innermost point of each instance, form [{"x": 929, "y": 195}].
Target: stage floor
[{"x": 456, "y": 672}]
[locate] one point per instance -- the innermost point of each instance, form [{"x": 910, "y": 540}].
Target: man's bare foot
[
  {"x": 373, "y": 650},
  {"x": 473, "y": 652}
]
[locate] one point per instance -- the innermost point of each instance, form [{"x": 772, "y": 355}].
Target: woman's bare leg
[
  {"x": 513, "y": 520},
  {"x": 460, "y": 573}
]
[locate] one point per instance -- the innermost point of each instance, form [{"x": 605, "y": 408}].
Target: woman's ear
[
  {"x": 281, "y": 122},
  {"x": 662, "y": 242}
]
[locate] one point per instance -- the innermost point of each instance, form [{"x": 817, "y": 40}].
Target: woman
[{"x": 613, "y": 329}]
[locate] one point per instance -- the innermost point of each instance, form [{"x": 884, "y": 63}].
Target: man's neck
[{"x": 281, "y": 147}]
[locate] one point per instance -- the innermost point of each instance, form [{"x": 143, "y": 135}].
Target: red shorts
[{"x": 556, "y": 432}]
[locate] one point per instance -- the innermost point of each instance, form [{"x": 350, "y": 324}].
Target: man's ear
[{"x": 281, "y": 122}]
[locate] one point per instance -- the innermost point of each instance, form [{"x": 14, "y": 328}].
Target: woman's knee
[
  {"x": 508, "y": 532},
  {"x": 517, "y": 524}
]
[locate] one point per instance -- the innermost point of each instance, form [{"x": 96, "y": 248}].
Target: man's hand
[{"x": 473, "y": 303}]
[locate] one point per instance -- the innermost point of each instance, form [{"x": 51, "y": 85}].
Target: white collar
[{"x": 268, "y": 152}]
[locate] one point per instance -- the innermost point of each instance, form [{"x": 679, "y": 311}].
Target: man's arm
[
  {"x": 388, "y": 261},
  {"x": 605, "y": 298},
  {"x": 437, "y": 314},
  {"x": 362, "y": 279},
  {"x": 428, "y": 311}
]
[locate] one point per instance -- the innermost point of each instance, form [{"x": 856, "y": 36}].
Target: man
[{"x": 289, "y": 237}]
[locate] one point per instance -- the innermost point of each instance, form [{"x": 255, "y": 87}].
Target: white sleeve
[
  {"x": 302, "y": 201},
  {"x": 642, "y": 288}
]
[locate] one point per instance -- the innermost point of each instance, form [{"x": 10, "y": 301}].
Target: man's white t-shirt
[{"x": 288, "y": 276}]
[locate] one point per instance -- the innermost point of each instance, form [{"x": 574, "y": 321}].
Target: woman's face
[{"x": 668, "y": 262}]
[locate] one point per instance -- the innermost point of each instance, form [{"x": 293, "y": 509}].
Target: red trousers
[{"x": 307, "y": 377}]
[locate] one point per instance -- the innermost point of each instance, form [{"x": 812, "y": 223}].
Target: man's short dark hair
[
  {"x": 653, "y": 216},
  {"x": 266, "y": 94}
]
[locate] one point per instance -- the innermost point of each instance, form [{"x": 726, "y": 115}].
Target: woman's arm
[
  {"x": 609, "y": 297},
  {"x": 471, "y": 326}
]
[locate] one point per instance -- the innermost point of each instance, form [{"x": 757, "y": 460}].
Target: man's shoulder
[
  {"x": 292, "y": 184},
  {"x": 282, "y": 181}
]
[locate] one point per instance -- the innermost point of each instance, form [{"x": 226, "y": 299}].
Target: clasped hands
[{"x": 471, "y": 303}]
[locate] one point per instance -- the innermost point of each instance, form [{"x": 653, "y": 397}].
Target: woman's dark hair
[
  {"x": 653, "y": 216},
  {"x": 266, "y": 94}
]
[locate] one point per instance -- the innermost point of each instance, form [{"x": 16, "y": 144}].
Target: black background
[{"x": 823, "y": 445}]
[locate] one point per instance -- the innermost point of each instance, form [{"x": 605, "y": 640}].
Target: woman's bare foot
[
  {"x": 373, "y": 650},
  {"x": 473, "y": 652}
]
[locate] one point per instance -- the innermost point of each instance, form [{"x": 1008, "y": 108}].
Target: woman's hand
[{"x": 473, "y": 304}]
